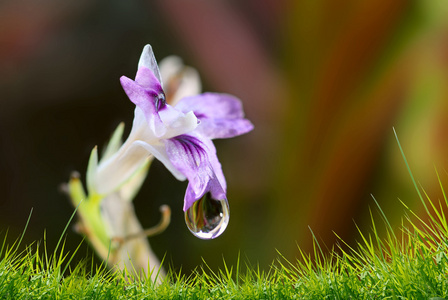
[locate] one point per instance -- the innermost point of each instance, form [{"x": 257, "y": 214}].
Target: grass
[{"x": 409, "y": 263}]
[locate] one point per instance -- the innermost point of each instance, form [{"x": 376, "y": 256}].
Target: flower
[
  {"x": 178, "y": 80},
  {"x": 180, "y": 136}
]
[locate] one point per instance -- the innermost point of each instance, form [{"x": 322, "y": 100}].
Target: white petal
[
  {"x": 159, "y": 152},
  {"x": 190, "y": 85},
  {"x": 114, "y": 142},
  {"x": 180, "y": 81},
  {"x": 119, "y": 168},
  {"x": 169, "y": 67},
  {"x": 140, "y": 129},
  {"x": 139, "y": 119},
  {"x": 148, "y": 60},
  {"x": 131, "y": 187},
  {"x": 177, "y": 122}
]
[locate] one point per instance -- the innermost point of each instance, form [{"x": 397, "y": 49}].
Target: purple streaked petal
[
  {"x": 145, "y": 99},
  {"x": 221, "y": 115},
  {"x": 195, "y": 157},
  {"x": 146, "y": 79}
]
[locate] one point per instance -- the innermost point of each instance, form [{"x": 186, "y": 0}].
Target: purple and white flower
[{"x": 180, "y": 136}]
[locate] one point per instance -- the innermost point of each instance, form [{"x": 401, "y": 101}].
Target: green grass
[
  {"x": 410, "y": 262},
  {"x": 410, "y": 265}
]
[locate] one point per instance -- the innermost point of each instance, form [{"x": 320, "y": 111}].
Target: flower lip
[
  {"x": 194, "y": 156},
  {"x": 192, "y": 146}
]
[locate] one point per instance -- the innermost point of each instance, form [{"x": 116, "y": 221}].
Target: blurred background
[{"x": 324, "y": 82}]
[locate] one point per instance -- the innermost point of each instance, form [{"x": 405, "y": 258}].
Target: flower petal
[
  {"x": 217, "y": 168},
  {"x": 160, "y": 153},
  {"x": 114, "y": 143},
  {"x": 146, "y": 79},
  {"x": 148, "y": 60},
  {"x": 145, "y": 99},
  {"x": 176, "y": 122},
  {"x": 112, "y": 173},
  {"x": 222, "y": 128},
  {"x": 213, "y": 105},
  {"x": 221, "y": 115},
  {"x": 132, "y": 186},
  {"x": 179, "y": 80},
  {"x": 195, "y": 157}
]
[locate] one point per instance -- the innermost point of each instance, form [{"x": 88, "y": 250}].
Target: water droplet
[{"x": 207, "y": 218}]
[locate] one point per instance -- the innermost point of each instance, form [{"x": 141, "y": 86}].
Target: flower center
[{"x": 160, "y": 101}]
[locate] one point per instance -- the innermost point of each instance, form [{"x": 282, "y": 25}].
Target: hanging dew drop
[{"x": 207, "y": 218}]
